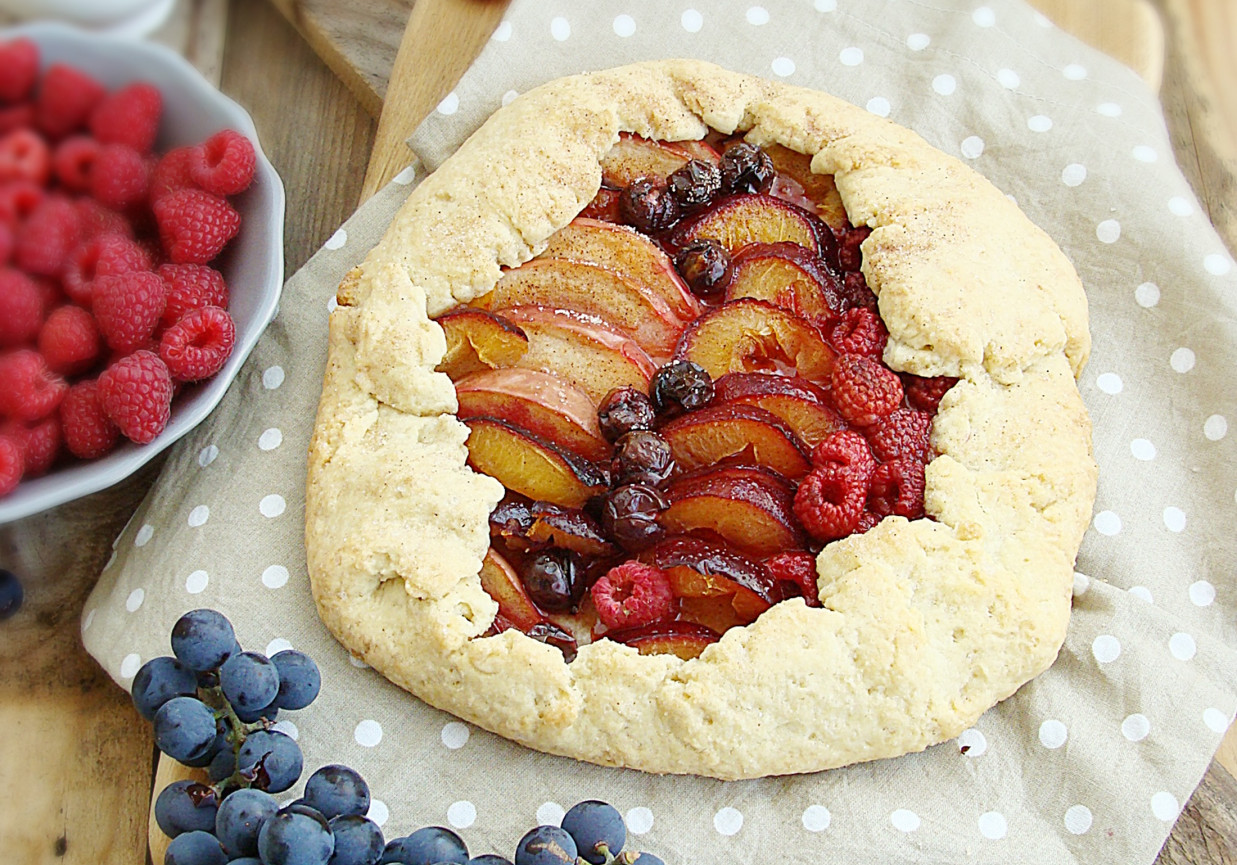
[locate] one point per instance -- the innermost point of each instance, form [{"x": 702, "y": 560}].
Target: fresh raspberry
[
  {"x": 6, "y": 243},
  {"x": 105, "y": 255},
  {"x": 66, "y": 98},
  {"x": 119, "y": 178},
  {"x": 198, "y": 345},
  {"x": 850, "y": 256},
  {"x": 88, "y": 432},
  {"x": 175, "y": 171},
  {"x": 129, "y": 116},
  {"x": 73, "y": 160},
  {"x": 855, "y": 293},
  {"x": 69, "y": 340},
  {"x": 97, "y": 219},
  {"x": 12, "y": 461},
  {"x": 49, "y": 235},
  {"x": 828, "y": 503},
  {"x": 860, "y": 331},
  {"x": 632, "y": 594},
  {"x": 926, "y": 394},
  {"x": 127, "y": 307},
  {"x": 49, "y": 293},
  {"x": 19, "y": 116},
  {"x": 136, "y": 393},
  {"x": 29, "y": 391},
  {"x": 21, "y": 308},
  {"x": 191, "y": 286},
  {"x": 904, "y": 434},
  {"x": 40, "y": 443},
  {"x": 864, "y": 390},
  {"x": 867, "y": 521},
  {"x": 194, "y": 225},
  {"x": 228, "y": 164},
  {"x": 24, "y": 155},
  {"x": 18, "y": 200},
  {"x": 897, "y": 488},
  {"x": 19, "y": 68},
  {"x": 798, "y": 569},
  {"x": 845, "y": 450}
]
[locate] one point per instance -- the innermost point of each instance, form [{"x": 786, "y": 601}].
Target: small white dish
[
  {"x": 132, "y": 18},
  {"x": 252, "y": 264}
]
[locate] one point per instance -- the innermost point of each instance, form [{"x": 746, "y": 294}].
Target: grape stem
[{"x": 237, "y": 732}]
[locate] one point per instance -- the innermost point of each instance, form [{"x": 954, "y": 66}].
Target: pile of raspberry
[{"x": 108, "y": 302}]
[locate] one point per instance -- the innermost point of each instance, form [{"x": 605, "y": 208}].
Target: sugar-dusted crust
[{"x": 925, "y": 624}]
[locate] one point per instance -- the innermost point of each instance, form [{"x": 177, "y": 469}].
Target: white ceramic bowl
[{"x": 252, "y": 264}]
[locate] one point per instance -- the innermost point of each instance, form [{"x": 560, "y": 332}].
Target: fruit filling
[{"x": 685, "y": 399}]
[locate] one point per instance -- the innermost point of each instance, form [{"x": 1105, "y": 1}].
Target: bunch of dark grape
[{"x": 213, "y": 707}]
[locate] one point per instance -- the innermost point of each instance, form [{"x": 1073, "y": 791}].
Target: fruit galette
[{"x": 691, "y": 422}]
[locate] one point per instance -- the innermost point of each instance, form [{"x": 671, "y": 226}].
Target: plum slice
[
  {"x": 542, "y": 524},
  {"x": 683, "y": 639},
  {"x": 591, "y": 290},
  {"x": 820, "y": 189},
  {"x": 748, "y": 507},
  {"x": 717, "y": 587},
  {"x": 626, "y": 252},
  {"x": 633, "y": 156},
  {"x": 735, "y": 221},
  {"x": 789, "y": 276},
  {"x": 503, "y": 584},
  {"x": 540, "y": 402},
  {"x": 478, "y": 340},
  {"x": 748, "y": 335},
  {"x": 735, "y": 433},
  {"x": 528, "y": 464},
  {"x": 796, "y": 402}
]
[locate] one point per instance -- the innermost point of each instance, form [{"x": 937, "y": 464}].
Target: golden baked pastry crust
[{"x": 925, "y": 624}]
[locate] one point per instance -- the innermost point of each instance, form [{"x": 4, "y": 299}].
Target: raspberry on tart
[{"x": 763, "y": 491}]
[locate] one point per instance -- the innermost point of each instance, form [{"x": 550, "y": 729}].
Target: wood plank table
[{"x": 76, "y": 763}]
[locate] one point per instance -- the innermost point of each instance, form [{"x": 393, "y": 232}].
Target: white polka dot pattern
[
  {"x": 368, "y": 733},
  {"x": 1052, "y": 734},
  {"x": 1078, "y": 819},
  {"x": 728, "y": 821},
  {"x": 639, "y": 820},
  {"x": 905, "y": 820}
]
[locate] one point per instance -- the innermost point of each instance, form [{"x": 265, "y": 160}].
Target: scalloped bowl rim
[{"x": 262, "y": 207}]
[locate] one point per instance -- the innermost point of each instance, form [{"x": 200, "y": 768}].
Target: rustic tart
[{"x": 691, "y": 422}]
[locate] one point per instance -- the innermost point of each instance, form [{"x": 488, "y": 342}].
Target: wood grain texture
[
  {"x": 1129, "y": 30},
  {"x": 1206, "y": 831}
]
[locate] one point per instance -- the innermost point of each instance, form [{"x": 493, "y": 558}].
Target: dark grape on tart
[{"x": 734, "y": 414}]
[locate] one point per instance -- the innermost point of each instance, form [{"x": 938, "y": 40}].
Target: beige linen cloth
[{"x": 1089, "y": 763}]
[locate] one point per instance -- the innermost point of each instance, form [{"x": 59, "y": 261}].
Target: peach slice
[
  {"x": 684, "y": 639},
  {"x": 591, "y": 290},
  {"x": 478, "y": 340},
  {"x": 742, "y": 434},
  {"x": 789, "y": 276},
  {"x": 714, "y": 583},
  {"x": 695, "y": 149},
  {"x": 748, "y": 508},
  {"x": 540, "y": 402},
  {"x": 586, "y": 352},
  {"x": 819, "y": 188},
  {"x": 748, "y": 335},
  {"x": 530, "y": 465},
  {"x": 798, "y": 403},
  {"x": 629, "y": 253},
  {"x": 737, "y": 220},
  {"x": 502, "y": 583},
  {"x": 633, "y": 156}
]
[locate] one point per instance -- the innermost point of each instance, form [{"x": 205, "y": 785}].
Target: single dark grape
[
  {"x": 648, "y": 859},
  {"x": 185, "y": 729},
  {"x": 641, "y": 456},
  {"x": 208, "y": 678},
  {"x": 299, "y": 679},
  {"x": 489, "y": 859},
  {"x": 11, "y": 594},
  {"x": 629, "y": 516},
  {"x": 185, "y": 806},
  {"x": 245, "y": 860},
  {"x": 240, "y": 817},
  {"x": 647, "y": 205},
  {"x": 705, "y": 266},
  {"x": 550, "y": 577},
  {"x": 680, "y": 386},
  {"x": 249, "y": 716},
  {"x": 222, "y": 765},
  {"x": 159, "y": 680},
  {"x": 595, "y": 825},
  {"x": 195, "y": 848},
  {"x": 203, "y": 639},
  {"x": 428, "y": 846},
  {"x": 695, "y": 184},
  {"x": 337, "y": 790},
  {"x": 358, "y": 840},
  {"x": 273, "y": 758},
  {"x": 296, "y": 835},
  {"x": 746, "y": 168},
  {"x": 623, "y": 410},
  {"x": 546, "y": 845},
  {"x": 220, "y": 744},
  {"x": 250, "y": 681}
]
